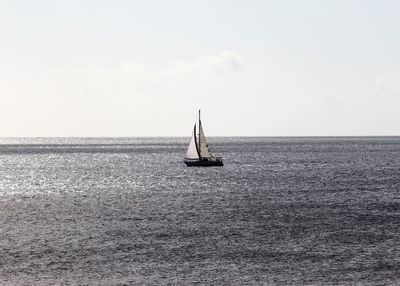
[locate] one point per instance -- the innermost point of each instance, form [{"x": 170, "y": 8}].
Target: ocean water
[{"x": 127, "y": 211}]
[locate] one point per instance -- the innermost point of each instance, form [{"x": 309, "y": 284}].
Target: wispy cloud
[
  {"x": 99, "y": 99},
  {"x": 387, "y": 86}
]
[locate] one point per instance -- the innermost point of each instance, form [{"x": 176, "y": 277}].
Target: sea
[{"x": 127, "y": 211}]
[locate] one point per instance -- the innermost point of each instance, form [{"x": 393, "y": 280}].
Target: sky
[{"x": 254, "y": 67}]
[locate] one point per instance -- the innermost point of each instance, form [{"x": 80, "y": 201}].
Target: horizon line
[{"x": 219, "y": 136}]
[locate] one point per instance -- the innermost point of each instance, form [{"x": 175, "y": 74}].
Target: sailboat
[{"x": 198, "y": 154}]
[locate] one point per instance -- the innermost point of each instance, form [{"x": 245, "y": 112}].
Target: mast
[
  {"x": 195, "y": 143},
  {"x": 199, "y": 135}
]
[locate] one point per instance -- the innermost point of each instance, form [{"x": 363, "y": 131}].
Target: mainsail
[
  {"x": 204, "y": 150},
  {"x": 192, "y": 152}
]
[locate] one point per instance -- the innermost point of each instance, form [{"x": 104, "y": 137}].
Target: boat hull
[{"x": 204, "y": 163}]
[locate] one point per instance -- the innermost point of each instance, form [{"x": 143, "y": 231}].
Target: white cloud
[
  {"x": 224, "y": 63},
  {"x": 133, "y": 80}
]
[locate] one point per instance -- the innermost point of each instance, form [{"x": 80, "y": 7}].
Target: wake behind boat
[{"x": 198, "y": 153}]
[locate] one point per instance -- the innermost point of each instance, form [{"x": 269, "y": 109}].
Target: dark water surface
[{"x": 127, "y": 211}]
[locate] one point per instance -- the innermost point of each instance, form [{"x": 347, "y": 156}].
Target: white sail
[
  {"x": 204, "y": 150},
  {"x": 192, "y": 152}
]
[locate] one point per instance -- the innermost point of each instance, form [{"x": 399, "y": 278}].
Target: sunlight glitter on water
[{"x": 127, "y": 210}]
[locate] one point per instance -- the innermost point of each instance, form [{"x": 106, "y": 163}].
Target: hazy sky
[{"x": 143, "y": 68}]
